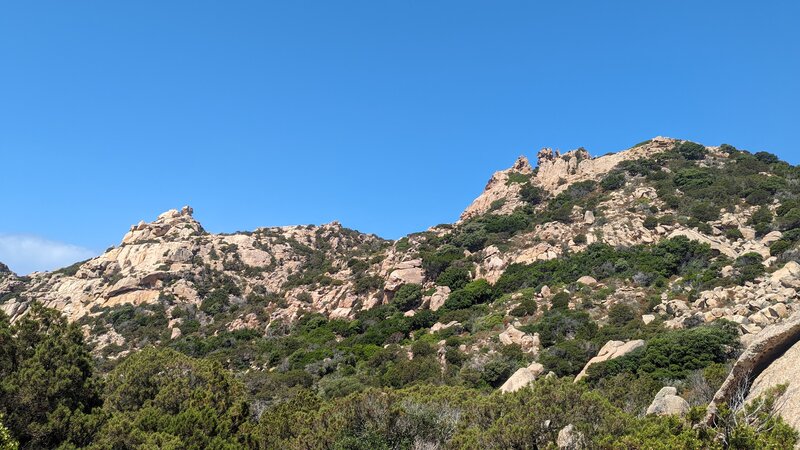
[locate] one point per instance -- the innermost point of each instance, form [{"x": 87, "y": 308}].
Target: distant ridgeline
[{"x": 582, "y": 303}]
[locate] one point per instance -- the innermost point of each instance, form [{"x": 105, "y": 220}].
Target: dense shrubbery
[
  {"x": 408, "y": 296},
  {"x": 160, "y": 398},
  {"x": 675, "y": 354},
  {"x": 676, "y": 256}
]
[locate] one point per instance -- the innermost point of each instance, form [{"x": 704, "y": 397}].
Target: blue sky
[{"x": 387, "y": 116}]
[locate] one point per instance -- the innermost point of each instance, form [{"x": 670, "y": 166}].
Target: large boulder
[
  {"x": 438, "y": 298},
  {"x": 781, "y": 371},
  {"x": 612, "y": 350},
  {"x": 764, "y": 350},
  {"x": 407, "y": 272},
  {"x": 788, "y": 275},
  {"x": 668, "y": 403},
  {"x": 522, "y": 377}
]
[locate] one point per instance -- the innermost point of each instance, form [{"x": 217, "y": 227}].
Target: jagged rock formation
[
  {"x": 557, "y": 171},
  {"x": 500, "y": 188},
  {"x": 554, "y": 172},
  {"x": 174, "y": 258},
  {"x": 274, "y": 275}
]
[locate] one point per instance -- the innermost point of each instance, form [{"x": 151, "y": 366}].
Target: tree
[
  {"x": 163, "y": 394},
  {"x": 49, "y": 396}
]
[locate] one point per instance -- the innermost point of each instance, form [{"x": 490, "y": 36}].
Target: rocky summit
[{"x": 659, "y": 280}]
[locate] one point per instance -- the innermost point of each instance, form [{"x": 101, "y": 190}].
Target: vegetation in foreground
[{"x": 53, "y": 397}]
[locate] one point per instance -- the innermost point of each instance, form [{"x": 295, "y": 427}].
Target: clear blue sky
[{"x": 387, "y": 116}]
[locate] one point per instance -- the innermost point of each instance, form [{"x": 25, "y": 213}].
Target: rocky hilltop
[
  {"x": 649, "y": 273},
  {"x": 277, "y": 274}
]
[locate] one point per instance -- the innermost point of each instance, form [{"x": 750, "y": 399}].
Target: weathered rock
[
  {"x": 528, "y": 343},
  {"x": 438, "y": 326},
  {"x": 788, "y": 275},
  {"x": 783, "y": 370},
  {"x": 522, "y": 377},
  {"x": 771, "y": 237},
  {"x": 668, "y": 403},
  {"x": 762, "y": 351},
  {"x": 408, "y": 272},
  {"x": 499, "y": 189},
  {"x": 557, "y": 171},
  {"x": 716, "y": 244},
  {"x": 612, "y": 350},
  {"x": 570, "y": 439},
  {"x": 438, "y": 298},
  {"x": 587, "y": 280}
]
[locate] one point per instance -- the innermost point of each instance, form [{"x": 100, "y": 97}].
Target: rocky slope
[{"x": 269, "y": 277}]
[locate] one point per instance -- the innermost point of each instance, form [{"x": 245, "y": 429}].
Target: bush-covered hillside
[{"x": 492, "y": 332}]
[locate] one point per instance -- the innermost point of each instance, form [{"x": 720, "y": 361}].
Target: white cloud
[{"x": 27, "y": 253}]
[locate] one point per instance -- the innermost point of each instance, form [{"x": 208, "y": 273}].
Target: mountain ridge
[{"x": 614, "y": 276}]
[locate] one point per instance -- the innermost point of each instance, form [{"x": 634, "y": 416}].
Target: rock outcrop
[
  {"x": 668, "y": 403},
  {"x": 767, "y": 347},
  {"x": 175, "y": 262},
  {"x": 612, "y": 350},
  {"x": 501, "y": 193},
  {"x": 782, "y": 370},
  {"x": 522, "y": 377},
  {"x": 556, "y": 171}
]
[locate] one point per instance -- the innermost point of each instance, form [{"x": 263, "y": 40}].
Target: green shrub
[
  {"x": 560, "y": 301},
  {"x": 749, "y": 266},
  {"x": 759, "y": 197},
  {"x": 566, "y": 358},
  {"x": 675, "y": 354},
  {"x": 517, "y": 178},
  {"x": 216, "y": 302},
  {"x": 734, "y": 234},
  {"x": 505, "y": 223},
  {"x": 613, "y": 181},
  {"x": 527, "y": 307},
  {"x": 455, "y": 277},
  {"x": 407, "y": 297},
  {"x": 691, "y": 150},
  {"x": 620, "y": 315},
  {"x": 562, "y": 324},
  {"x": 704, "y": 211},
  {"x": 650, "y": 222},
  {"x": 779, "y": 247},
  {"x": 475, "y": 292},
  {"x": 367, "y": 284},
  {"x": 531, "y": 194},
  {"x": 435, "y": 262}
]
